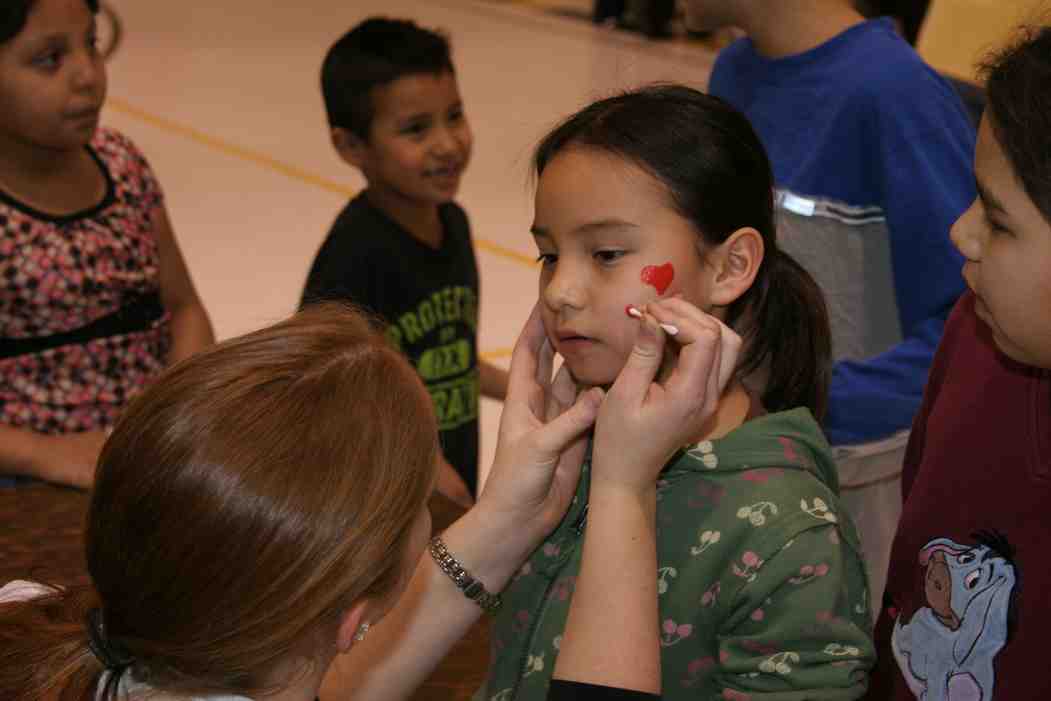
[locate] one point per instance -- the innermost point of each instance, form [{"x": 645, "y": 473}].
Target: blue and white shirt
[{"x": 872, "y": 154}]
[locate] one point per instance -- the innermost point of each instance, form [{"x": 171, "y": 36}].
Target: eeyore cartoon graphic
[{"x": 946, "y": 651}]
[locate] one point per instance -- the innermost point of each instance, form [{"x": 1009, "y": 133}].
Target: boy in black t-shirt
[{"x": 402, "y": 247}]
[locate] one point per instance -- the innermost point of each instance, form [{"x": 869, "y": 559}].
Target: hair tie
[{"x": 111, "y": 656}]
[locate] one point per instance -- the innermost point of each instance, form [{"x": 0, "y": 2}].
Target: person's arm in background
[
  {"x": 450, "y": 484},
  {"x": 63, "y": 459},
  {"x": 535, "y": 473},
  {"x": 493, "y": 380},
  {"x": 190, "y": 327},
  {"x": 640, "y": 426},
  {"x": 926, "y": 152}
]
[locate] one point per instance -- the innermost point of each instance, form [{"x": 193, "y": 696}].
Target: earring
[{"x": 362, "y": 631}]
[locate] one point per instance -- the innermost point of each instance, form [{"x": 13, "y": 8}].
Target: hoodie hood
[{"x": 786, "y": 440}]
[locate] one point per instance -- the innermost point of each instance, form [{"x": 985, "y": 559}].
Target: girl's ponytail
[
  {"x": 787, "y": 336},
  {"x": 44, "y": 648}
]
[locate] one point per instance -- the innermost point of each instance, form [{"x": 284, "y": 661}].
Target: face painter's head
[{"x": 715, "y": 174}]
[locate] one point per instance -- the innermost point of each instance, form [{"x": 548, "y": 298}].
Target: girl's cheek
[{"x": 545, "y": 317}]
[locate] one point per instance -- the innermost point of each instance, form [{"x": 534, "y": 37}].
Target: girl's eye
[
  {"x": 47, "y": 61},
  {"x": 609, "y": 256},
  {"x": 456, "y": 115},
  {"x": 997, "y": 230},
  {"x": 546, "y": 258},
  {"x": 415, "y": 129},
  {"x": 995, "y": 227}
]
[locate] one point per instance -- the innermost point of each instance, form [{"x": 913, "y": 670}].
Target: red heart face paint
[{"x": 659, "y": 276}]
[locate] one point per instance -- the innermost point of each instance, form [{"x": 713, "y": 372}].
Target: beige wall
[{"x": 957, "y": 33}]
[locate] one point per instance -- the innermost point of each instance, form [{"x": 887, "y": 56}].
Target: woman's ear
[
  {"x": 350, "y": 147},
  {"x": 737, "y": 261},
  {"x": 350, "y": 625}
]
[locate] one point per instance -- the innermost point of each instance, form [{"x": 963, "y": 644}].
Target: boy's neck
[
  {"x": 787, "y": 27},
  {"x": 422, "y": 221}
]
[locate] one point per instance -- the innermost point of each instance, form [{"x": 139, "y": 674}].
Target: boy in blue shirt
[
  {"x": 402, "y": 248},
  {"x": 872, "y": 155}
]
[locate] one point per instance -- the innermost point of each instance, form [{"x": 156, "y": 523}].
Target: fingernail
[
  {"x": 670, "y": 330},
  {"x": 592, "y": 399},
  {"x": 633, "y": 312}
]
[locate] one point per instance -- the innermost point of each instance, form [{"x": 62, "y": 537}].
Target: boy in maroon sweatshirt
[{"x": 965, "y": 614}]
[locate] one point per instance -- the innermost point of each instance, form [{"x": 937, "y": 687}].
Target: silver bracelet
[{"x": 471, "y": 587}]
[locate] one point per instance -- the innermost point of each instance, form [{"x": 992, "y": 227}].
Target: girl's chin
[{"x": 587, "y": 378}]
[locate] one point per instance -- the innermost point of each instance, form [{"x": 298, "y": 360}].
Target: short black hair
[
  {"x": 14, "y": 13},
  {"x": 375, "y": 53},
  {"x": 1018, "y": 89}
]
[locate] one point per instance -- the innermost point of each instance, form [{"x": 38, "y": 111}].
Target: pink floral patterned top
[{"x": 82, "y": 328}]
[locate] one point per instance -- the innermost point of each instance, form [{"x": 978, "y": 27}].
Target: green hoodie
[{"x": 762, "y": 588}]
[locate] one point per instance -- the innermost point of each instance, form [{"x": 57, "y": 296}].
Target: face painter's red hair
[{"x": 243, "y": 503}]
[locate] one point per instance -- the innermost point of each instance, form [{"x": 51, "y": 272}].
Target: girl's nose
[
  {"x": 89, "y": 72},
  {"x": 446, "y": 142},
  {"x": 967, "y": 233},
  {"x": 564, "y": 290}
]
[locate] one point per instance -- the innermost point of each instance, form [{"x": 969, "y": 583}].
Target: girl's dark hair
[
  {"x": 13, "y": 15},
  {"x": 245, "y": 500},
  {"x": 719, "y": 178},
  {"x": 1018, "y": 88}
]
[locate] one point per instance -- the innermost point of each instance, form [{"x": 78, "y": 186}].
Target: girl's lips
[
  {"x": 91, "y": 115},
  {"x": 575, "y": 345},
  {"x": 445, "y": 179},
  {"x": 445, "y": 172},
  {"x": 574, "y": 342}
]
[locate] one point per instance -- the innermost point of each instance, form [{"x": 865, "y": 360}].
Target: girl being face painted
[{"x": 608, "y": 238}]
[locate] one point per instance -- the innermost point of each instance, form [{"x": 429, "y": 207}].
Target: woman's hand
[
  {"x": 541, "y": 442},
  {"x": 642, "y": 421}
]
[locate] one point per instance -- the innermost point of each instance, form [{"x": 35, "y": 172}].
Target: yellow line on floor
[
  {"x": 496, "y": 353},
  {"x": 497, "y": 249},
  {"x": 270, "y": 163}
]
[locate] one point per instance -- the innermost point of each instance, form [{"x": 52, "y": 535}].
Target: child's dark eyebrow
[
  {"x": 591, "y": 227},
  {"x": 419, "y": 116},
  {"x": 49, "y": 41},
  {"x": 988, "y": 200}
]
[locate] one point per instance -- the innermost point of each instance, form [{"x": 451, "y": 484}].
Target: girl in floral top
[{"x": 94, "y": 295}]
